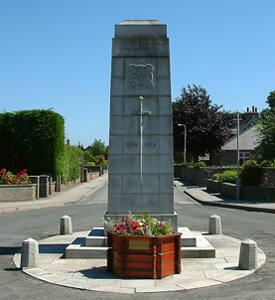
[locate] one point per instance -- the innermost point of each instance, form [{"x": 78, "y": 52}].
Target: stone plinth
[{"x": 141, "y": 170}]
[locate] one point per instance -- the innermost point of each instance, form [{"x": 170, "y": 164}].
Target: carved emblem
[{"x": 141, "y": 76}]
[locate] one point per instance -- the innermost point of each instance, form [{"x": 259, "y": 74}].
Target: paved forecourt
[{"x": 90, "y": 274}]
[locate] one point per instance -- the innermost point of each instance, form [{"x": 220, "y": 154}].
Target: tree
[
  {"x": 206, "y": 127},
  {"x": 266, "y": 127},
  {"x": 98, "y": 147},
  {"x": 271, "y": 99},
  {"x": 96, "y": 153}
]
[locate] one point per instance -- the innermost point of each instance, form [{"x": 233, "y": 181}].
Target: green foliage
[
  {"x": 73, "y": 156},
  {"x": 271, "y": 100},
  {"x": 207, "y": 129},
  {"x": 33, "y": 139},
  {"x": 216, "y": 176},
  {"x": 251, "y": 173},
  {"x": 98, "y": 147},
  {"x": 199, "y": 165},
  {"x": 266, "y": 128},
  {"x": 96, "y": 153},
  {"x": 228, "y": 176},
  {"x": 268, "y": 163}
]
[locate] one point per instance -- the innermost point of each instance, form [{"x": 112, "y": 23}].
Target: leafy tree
[
  {"x": 207, "y": 128},
  {"x": 98, "y": 147},
  {"x": 271, "y": 99},
  {"x": 96, "y": 153},
  {"x": 266, "y": 127}
]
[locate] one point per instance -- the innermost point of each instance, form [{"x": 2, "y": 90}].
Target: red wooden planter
[{"x": 144, "y": 257}]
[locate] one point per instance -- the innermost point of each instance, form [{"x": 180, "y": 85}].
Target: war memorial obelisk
[{"x": 141, "y": 137}]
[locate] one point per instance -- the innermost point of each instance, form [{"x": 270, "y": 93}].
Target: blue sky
[{"x": 57, "y": 54}]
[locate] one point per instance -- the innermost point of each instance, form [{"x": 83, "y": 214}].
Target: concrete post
[
  {"x": 248, "y": 255},
  {"x": 58, "y": 183},
  {"x": 30, "y": 254},
  {"x": 215, "y": 225},
  {"x": 66, "y": 225},
  {"x": 84, "y": 175},
  {"x": 36, "y": 180},
  {"x": 50, "y": 185},
  {"x": 44, "y": 186}
]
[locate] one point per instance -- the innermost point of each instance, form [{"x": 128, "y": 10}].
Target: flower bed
[
  {"x": 143, "y": 247},
  {"x": 7, "y": 177}
]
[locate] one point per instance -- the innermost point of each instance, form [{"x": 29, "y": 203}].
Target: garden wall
[
  {"x": 228, "y": 191},
  {"x": 197, "y": 176},
  {"x": 200, "y": 176},
  {"x": 17, "y": 192}
]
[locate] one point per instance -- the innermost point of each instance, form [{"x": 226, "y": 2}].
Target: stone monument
[{"x": 141, "y": 137}]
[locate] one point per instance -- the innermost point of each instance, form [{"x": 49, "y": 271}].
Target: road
[{"x": 16, "y": 226}]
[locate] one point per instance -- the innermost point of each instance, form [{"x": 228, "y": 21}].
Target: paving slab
[{"x": 91, "y": 274}]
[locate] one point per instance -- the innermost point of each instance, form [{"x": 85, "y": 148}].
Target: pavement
[
  {"x": 91, "y": 274},
  {"x": 67, "y": 197},
  {"x": 201, "y": 195}
]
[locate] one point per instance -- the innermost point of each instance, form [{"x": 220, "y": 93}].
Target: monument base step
[
  {"x": 194, "y": 245},
  {"x": 96, "y": 238}
]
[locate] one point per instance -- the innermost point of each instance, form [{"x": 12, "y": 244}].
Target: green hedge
[
  {"x": 32, "y": 139},
  {"x": 73, "y": 156},
  {"x": 251, "y": 173}
]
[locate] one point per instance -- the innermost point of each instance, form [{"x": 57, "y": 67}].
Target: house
[{"x": 248, "y": 143}]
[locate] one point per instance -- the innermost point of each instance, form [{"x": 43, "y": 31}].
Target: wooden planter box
[{"x": 144, "y": 257}]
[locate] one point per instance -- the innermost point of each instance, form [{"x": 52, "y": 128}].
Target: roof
[{"x": 249, "y": 140}]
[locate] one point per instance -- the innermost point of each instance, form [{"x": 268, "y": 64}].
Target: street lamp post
[
  {"x": 185, "y": 139},
  {"x": 238, "y": 158}
]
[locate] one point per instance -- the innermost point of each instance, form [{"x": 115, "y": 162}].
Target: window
[{"x": 244, "y": 156}]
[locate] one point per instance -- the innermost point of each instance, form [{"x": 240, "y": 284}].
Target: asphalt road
[{"x": 15, "y": 227}]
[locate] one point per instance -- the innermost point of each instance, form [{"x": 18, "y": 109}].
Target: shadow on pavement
[{"x": 4, "y": 250}]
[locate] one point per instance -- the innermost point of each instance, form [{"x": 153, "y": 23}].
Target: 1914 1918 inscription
[{"x": 134, "y": 145}]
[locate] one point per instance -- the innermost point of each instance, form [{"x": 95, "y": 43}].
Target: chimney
[
  {"x": 247, "y": 109},
  {"x": 68, "y": 141}
]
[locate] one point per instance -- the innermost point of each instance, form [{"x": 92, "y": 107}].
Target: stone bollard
[
  {"x": 30, "y": 254},
  {"x": 84, "y": 175},
  {"x": 215, "y": 225},
  {"x": 44, "y": 186},
  {"x": 50, "y": 182},
  {"x": 36, "y": 180},
  {"x": 58, "y": 183},
  {"x": 66, "y": 225},
  {"x": 248, "y": 255}
]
